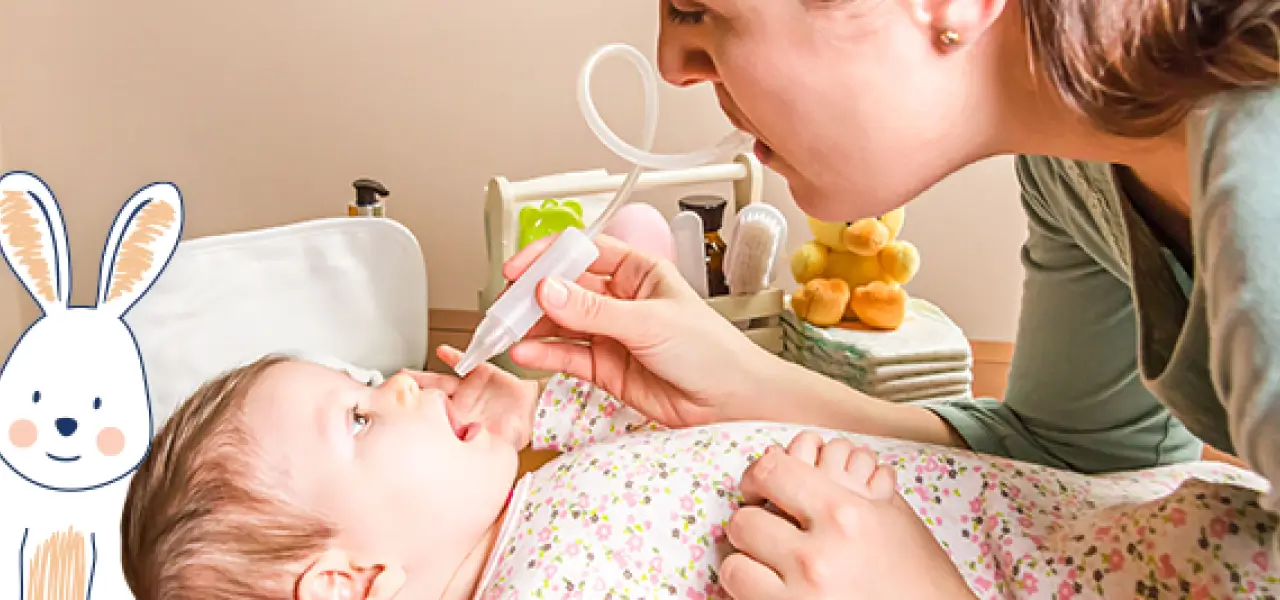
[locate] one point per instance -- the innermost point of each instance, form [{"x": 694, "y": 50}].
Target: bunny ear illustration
[
  {"x": 33, "y": 238},
  {"x": 142, "y": 240}
]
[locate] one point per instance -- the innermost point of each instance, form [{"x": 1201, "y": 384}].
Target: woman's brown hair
[{"x": 1138, "y": 67}]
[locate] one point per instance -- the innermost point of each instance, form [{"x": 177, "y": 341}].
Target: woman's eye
[{"x": 684, "y": 17}]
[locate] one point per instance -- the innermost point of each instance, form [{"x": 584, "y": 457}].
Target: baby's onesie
[{"x": 631, "y": 510}]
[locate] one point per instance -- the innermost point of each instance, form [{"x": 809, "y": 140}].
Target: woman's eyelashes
[{"x": 684, "y": 16}]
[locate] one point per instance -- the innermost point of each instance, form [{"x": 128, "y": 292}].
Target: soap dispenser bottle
[
  {"x": 368, "y": 202},
  {"x": 711, "y": 210}
]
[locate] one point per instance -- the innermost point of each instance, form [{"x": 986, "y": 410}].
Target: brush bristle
[{"x": 753, "y": 257}]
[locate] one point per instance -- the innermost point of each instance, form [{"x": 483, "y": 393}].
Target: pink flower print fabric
[
  {"x": 572, "y": 412},
  {"x": 635, "y": 511}
]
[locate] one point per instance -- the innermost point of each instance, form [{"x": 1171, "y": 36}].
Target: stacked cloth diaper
[{"x": 927, "y": 358}]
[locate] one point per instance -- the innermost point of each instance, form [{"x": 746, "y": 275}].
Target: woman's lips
[{"x": 763, "y": 151}]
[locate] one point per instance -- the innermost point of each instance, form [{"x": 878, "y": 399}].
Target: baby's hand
[{"x": 497, "y": 400}]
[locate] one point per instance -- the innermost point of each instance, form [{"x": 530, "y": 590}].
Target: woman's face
[{"x": 858, "y": 103}]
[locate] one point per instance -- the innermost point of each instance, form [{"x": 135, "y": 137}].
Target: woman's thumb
[{"x": 574, "y": 307}]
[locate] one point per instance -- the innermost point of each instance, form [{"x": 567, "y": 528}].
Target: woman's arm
[
  {"x": 1236, "y": 220},
  {"x": 795, "y": 394},
  {"x": 1075, "y": 398}
]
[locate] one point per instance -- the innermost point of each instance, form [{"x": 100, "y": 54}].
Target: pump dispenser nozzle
[{"x": 367, "y": 202}]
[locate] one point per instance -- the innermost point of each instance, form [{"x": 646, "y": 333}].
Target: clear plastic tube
[
  {"x": 731, "y": 143},
  {"x": 517, "y": 310}
]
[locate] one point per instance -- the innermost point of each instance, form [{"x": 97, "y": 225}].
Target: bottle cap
[
  {"x": 368, "y": 191},
  {"x": 709, "y": 208}
]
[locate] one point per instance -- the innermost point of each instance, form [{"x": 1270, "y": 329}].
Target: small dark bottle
[{"x": 711, "y": 210}]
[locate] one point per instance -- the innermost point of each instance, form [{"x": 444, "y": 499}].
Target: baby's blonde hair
[{"x": 204, "y": 518}]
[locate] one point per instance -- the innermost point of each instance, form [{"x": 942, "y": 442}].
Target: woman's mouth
[{"x": 763, "y": 151}]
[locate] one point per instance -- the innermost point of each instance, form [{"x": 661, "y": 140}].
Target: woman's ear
[
  {"x": 956, "y": 22},
  {"x": 335, "y": 576}
]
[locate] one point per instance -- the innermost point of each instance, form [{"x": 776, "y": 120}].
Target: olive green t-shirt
[{"x": 1124, "y": 358}]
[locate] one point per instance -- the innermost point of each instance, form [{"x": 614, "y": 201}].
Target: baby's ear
[{"x": 335, "y": 575}]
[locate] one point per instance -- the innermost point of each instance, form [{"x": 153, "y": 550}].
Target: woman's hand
[
  {"x": 649, "y": 339},
  {"x": 824, "y": 520},
  {"x": 498, "y": 401}
]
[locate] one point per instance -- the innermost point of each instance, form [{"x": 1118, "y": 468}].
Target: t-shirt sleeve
[
  {"x": 1236, "y": 219},
  {"x": 1075, "y": 398},
  {"x": 573, "y": 411}
]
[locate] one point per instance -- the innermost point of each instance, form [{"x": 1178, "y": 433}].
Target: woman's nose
[{"x": 683, "y": 64}]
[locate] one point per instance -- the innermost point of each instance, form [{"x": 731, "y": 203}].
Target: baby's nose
[
  {"x": 406, "y": 390},
  {"x": 66, "y": 426}
]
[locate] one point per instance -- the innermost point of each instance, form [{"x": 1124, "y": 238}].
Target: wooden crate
[{"x": 758, "y": 315}]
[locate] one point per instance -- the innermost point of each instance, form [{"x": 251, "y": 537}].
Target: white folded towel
[
  {"x": 928, "y": 343},
  {"x": 905, "y": 371},
  {"x": 363, "y": 375},
  {"x": 926, "y": 335},
  {"x": 925, "y": 383},
  {"x": 938, "y": 393}
]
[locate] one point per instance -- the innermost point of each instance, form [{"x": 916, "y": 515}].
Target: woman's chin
[
  {"x": 818, "y": 203},
  {"x": 834, "y": 203}
]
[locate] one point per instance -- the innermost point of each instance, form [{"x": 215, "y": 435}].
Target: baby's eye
[{"x": 359, "y": 421}]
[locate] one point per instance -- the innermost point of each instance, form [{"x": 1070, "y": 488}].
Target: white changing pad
[{"x": 348, "y": 290}]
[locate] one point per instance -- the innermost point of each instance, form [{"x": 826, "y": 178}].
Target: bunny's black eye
[
  {"x": 35, "y": 397},
  {"x": 97, "y": 403}
]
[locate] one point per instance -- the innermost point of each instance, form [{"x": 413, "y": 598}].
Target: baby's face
[{"x": 386, "y": 464}]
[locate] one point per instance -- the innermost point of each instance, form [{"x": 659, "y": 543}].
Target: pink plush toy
[{"x": 642, "y": 226}]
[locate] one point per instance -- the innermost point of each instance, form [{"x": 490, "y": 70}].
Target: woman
[{"x": 1150, "y": 322}]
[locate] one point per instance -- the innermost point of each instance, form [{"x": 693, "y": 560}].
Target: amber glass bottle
[{"x": 711, "y": 210}]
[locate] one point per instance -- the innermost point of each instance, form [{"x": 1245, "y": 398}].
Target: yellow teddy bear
[{"x": 856, "y": 271}]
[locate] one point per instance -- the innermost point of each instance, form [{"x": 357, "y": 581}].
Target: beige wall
[{"x": 264, "y": 112}]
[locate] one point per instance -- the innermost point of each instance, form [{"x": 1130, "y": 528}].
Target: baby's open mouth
[
  {"x": 465, "y": 431},
  {"x": 62, "y": 458}
]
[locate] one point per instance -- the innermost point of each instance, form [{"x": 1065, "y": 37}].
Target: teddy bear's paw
[
  {"x": 880, "y": 305},
  {"x": 808, "y": 262},
  {"x": 900, "y": 261},
  {"x": 821, "y": 302},
  {"x": 866, "y": 237}
]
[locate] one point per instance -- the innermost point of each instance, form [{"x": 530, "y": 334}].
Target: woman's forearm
[{"x": 795, "y": 394}]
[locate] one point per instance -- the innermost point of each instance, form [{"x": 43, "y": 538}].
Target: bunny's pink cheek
[
  {"x": 110, "y": 441},
  {"x": 22, "y": 433}
]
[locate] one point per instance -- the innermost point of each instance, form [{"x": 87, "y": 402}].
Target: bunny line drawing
[{"x": 75, "y": 411}]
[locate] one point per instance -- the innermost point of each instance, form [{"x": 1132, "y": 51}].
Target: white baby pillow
[{"x": 348, "y": 292}]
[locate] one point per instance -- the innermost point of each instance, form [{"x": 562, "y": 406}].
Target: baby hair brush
[{"x": 753, "y": 250}]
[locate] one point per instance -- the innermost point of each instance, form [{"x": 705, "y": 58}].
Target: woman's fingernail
[{"x": 555, "y": 292}]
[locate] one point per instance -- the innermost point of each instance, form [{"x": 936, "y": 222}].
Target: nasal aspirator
[{"x": 517, "y": 310}]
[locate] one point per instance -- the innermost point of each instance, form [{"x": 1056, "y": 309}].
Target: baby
[{"x": 285, "y": 479}]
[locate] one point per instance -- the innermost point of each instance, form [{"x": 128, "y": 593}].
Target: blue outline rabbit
[{"x": 75, "y": 413}]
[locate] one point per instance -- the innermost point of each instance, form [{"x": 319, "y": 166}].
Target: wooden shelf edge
[{"x": 987, "y": 351}]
